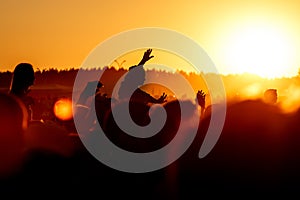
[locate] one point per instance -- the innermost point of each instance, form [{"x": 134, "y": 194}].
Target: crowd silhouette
[{"x": 258, "y": 150}]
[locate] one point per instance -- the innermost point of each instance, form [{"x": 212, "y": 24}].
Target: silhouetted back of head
[
  {"x": 270, "y": 96},
  {"x": 13, "y": 123},
  {"x": 23, "y": 78},
  {"x": 134, "y": 78}
]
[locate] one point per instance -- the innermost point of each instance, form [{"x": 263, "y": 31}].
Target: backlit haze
[
  {"x": 250, "y": 38},
  {"x": 259, "y": 37}
]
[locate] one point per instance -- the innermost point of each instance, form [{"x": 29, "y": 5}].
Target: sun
[{"x": 262, "y": 50}]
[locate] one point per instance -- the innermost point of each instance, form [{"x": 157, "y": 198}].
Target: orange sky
[{"x": 61, "y": 34}]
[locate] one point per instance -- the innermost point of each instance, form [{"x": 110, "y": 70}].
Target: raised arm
[
  {"x": 147, "y": 56},
  {"x": 201, "y": 100},
  {"x": 90, "y": 89},
  {"x": 162, "y": 98}
]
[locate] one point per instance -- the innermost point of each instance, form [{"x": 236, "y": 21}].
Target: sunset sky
[{"x": 256, "y": 36}]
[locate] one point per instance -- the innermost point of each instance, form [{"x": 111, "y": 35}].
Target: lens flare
[{"x": 63, "y": 109}]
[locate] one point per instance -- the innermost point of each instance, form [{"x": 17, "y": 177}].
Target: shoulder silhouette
[{"x": 13, "y": 124}]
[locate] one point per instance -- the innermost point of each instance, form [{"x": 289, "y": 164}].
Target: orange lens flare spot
[{"x": 63, "y": 109}]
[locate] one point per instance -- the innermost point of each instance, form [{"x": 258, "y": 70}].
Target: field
[{"x": 258, "y": 147}]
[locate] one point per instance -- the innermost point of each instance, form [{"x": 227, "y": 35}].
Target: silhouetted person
[
  {"x": 13, "y": 124},
  {"x": 91, "y": 89},
  {"x": 23, "y": 78},
  {"x": 83, "y": 105},
  {"x": 134, "y": 79},
  {"x": 270, "y": 96},
  {"x": 39, "y": 136}
]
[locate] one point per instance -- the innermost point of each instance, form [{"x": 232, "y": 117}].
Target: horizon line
[{"x": 37, "y": 69}]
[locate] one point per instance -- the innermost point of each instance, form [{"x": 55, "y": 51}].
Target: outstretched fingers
[
  {"x": 162, "y": 98},
  {"x": 147, "y": 55},
  {"x": 201, "y": 98}
]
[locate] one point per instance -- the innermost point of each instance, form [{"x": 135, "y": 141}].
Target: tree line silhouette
[{"x": 66, "y": 77}]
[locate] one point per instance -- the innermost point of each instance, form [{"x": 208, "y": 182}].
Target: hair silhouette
[{"x": 23, "y": 78}]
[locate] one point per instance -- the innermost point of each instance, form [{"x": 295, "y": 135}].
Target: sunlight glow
[
  {"x": 253, "y": 91},
  {"x": 261, "y": 50},
  {"x": 63, "y": 109}
]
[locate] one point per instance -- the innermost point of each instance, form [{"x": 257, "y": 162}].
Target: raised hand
[
  {"x": 201, "y": 98},
  {"x": 162, "y": 98},
  {"x": 146, "y": 57},
  {"x": 90, "y": 90}
]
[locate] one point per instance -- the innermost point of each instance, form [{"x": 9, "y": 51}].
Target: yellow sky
[{"x": 54, "y": 33}]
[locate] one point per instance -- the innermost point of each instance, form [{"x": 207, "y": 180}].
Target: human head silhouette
[
  {"x": 23, "y": 78},
  {"x": 136, "y": 75},
  {"x": 134, "y": 78},
  {"x": 270, "y": 96}
]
